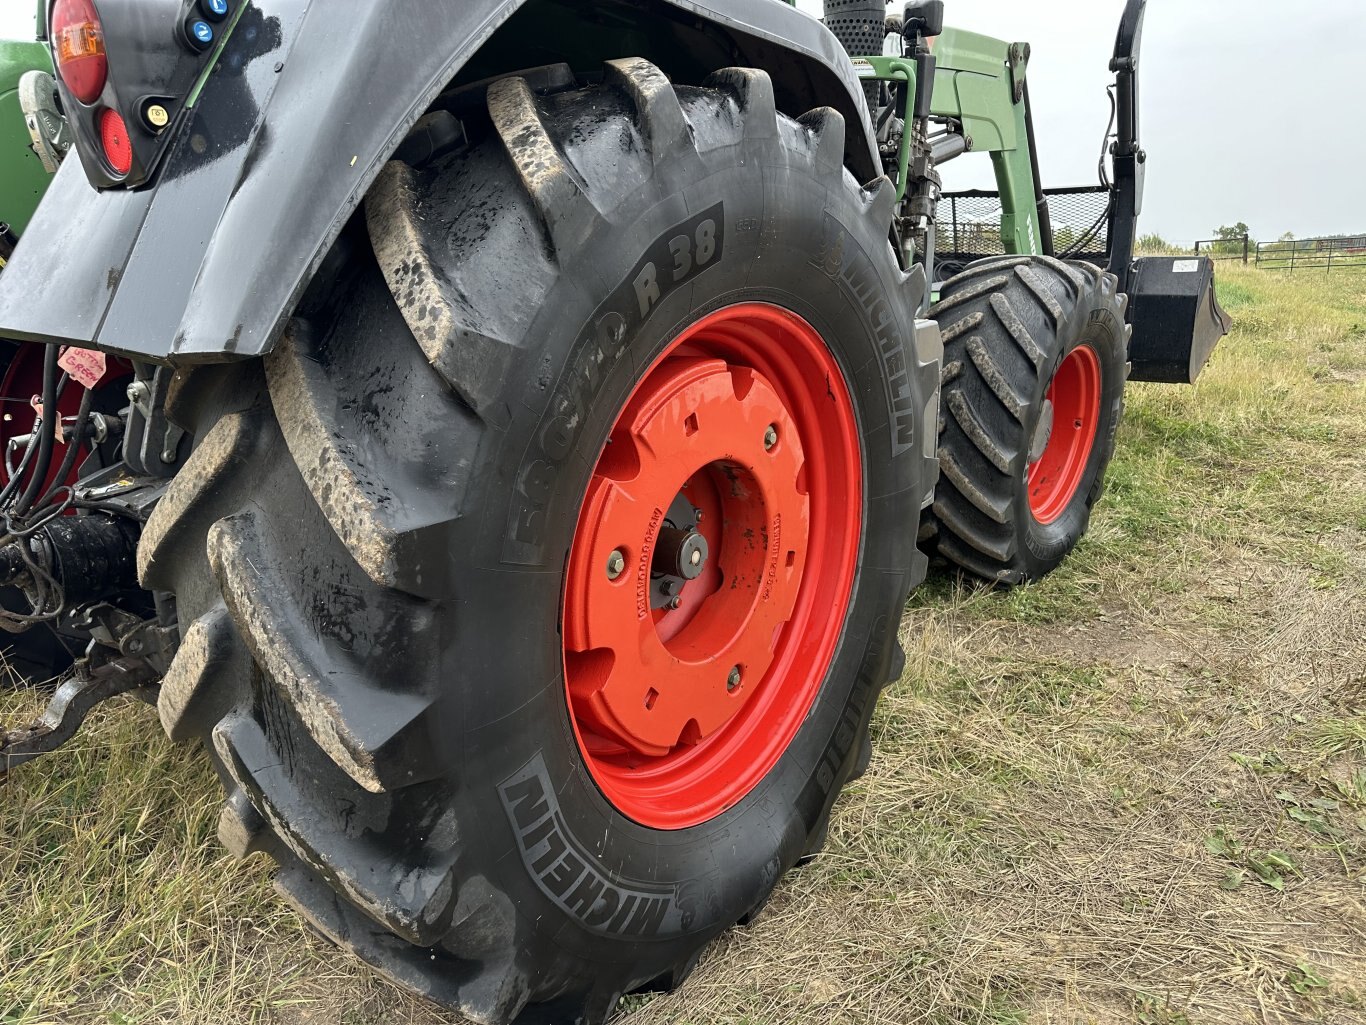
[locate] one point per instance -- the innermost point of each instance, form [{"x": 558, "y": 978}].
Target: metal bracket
[
  {"x": 1017, "y": 57},
  {"x": 49, "y": 130},
  {"x": 69, "y": 706}
]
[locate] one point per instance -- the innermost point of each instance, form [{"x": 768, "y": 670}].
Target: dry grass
[{"x": 1135, "y": 793}]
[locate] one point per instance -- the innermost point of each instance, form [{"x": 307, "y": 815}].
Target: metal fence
[
  {"x": 1239, "y": 248},
  {"x": 1322, "y": 254}
]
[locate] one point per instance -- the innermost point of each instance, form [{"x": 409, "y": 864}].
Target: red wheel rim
[
  {"x": 684, "y": 692},
  {"x": 1074, "y": 396}
]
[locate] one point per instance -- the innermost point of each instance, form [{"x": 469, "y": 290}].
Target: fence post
[
  {"x": 1294, "y": 248},
  {"x": 1245, "y": 247},
  {"x": 1331, "y": 250}
]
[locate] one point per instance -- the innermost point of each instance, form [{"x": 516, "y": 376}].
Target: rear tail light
[
  {"x": 118, "y": 150},
  {"x": 78, "y": 48}
]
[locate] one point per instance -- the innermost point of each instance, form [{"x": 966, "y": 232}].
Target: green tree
[{"x": 1230, "y": 232}]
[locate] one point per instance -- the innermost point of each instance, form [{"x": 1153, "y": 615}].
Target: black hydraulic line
[
  {"x": 17, "y": 476},
  {"x": 48, "y": 439},
  {"x": 1040, "y": 200},
  {"x": 73, "y": 448}
]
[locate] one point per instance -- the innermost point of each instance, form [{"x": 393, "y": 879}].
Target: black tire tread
[
  {"x": 993, "y": 364},
  {"x": 313, "y": 771}
]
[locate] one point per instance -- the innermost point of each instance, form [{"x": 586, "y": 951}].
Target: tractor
[{"x": 537, "y": 415}]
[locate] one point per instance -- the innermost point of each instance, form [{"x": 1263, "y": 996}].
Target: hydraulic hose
[{"x": 48, "y": 439}]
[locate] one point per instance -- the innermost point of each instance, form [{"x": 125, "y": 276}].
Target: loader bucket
[{"x": 1175, "y": 316}]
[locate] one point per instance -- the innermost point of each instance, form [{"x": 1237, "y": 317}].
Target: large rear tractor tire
[
  {"x": 1035, "y": 364},
  {"x": 537, "y": 595}
]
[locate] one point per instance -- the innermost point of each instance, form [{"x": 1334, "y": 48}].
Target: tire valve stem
[
  {"x": 616, "y": 564},
  {"x": 733, "y": 681},
  {"x": 770, "y": 438}
]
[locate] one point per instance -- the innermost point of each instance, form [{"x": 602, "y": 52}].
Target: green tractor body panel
[{"x": 21, "y": 171}]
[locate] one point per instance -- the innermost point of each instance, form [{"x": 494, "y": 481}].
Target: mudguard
[{"x": 207, "y": 261}]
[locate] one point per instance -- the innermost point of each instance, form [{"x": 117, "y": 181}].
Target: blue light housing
[
  {"x": 214, "y": 10},
  {"x": 201, "y": 32}
]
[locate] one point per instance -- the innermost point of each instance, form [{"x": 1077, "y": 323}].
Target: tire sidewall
[{"x": 514, "y": 726}]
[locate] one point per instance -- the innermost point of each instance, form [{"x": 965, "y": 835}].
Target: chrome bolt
[
  {"x": 770, "y": 437},
  {"x": 733, "y": 681},
  {"x": 696, "y": 559},
  {"x": 676, "y": 604},
  {"x": 616, "y": 564}
]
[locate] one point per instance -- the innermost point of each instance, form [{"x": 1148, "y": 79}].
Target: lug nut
[
  {"x": 770, "y": 438},
  {"x": 616, "y": 564},
  {"x": 733, "y": 681}
]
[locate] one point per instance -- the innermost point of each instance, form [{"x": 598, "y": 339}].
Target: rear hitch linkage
[{"x": 68, "y": 554}]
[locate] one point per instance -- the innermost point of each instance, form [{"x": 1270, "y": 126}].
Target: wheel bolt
[
  {"x": 616, "y": 564},
  {"x": 770, "y": 438},
  {"x": 733, "y": 681}
]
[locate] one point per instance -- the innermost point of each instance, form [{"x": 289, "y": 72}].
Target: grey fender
[{"x": 208, "y": 261}]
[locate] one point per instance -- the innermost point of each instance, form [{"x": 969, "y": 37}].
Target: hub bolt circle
[
  {"x": 616, "y": 564},
  {"x": 770, "y": 438},
  {"x": 733, "y": 681}
]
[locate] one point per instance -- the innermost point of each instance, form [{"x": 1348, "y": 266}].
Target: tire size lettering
[
  {"x": 671, "y": 262},
  {"x": 689, "y": 253}
]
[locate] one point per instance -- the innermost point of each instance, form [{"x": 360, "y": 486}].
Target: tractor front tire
[
  {"x": 1035, "y": 365},
  {"x": 536, "y": 598}
]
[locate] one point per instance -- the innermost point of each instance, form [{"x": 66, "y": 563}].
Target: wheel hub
[
  {"x": 695, "y": 439},
  {"x": 711, "y": 570}
]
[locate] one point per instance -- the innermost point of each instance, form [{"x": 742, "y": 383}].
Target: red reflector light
[
  {"x": 78, "y": 48},
  {"x": 118, "y": 150}
]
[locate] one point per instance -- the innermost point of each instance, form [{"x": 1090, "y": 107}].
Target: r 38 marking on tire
[{"x": 685, "y": 250}]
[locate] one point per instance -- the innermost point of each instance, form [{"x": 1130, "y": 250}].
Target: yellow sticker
[{"x": 158, "y": 116}]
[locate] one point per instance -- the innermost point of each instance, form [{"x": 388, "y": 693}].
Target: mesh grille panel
[{"x": 969, "y": 223}]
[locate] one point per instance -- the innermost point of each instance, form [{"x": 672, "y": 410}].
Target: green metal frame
[
  {"x": 977, "y": 81},
  {"x": 22, "y": 178}
]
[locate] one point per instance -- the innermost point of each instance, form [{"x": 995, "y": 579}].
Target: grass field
[{"x": 1135, "y": 793}]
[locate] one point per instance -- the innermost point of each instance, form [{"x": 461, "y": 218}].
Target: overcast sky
[{"x": 1252, "y": 111}]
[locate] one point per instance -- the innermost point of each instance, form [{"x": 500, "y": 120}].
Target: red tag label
[
  {"x": 84, "y": 365},
  {"x": 37, "y": 403}
]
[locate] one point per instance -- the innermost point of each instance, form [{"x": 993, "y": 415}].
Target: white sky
[{"x": 1252, "y": 111}]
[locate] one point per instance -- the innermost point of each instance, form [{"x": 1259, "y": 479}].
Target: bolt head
[
  {"x": 616, "y": 564},
  {"x": 696, "y": 558},
  {"x": 676, "y": 604},
  {"x": 770, "y": 438},
  {"x": 733, "y": 681}
]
